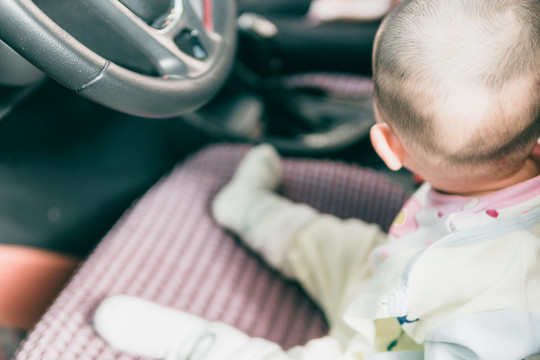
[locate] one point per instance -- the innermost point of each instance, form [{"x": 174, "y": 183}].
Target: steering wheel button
[{"x": 188, "y": 41}]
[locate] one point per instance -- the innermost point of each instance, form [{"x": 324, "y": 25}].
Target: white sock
[
  {"x": 143, "y": 328},
  {"x": 248, "y": 206}
]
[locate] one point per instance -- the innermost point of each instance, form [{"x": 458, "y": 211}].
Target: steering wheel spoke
[
  {"x": 179, "y": 43},
  {"x": 192, "y": 21},
  {"x": 159, "y": 48}
]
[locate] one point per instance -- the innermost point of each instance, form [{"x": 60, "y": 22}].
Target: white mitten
[
  {"x": 258, "y": 174},
  {"x": 143, "y": 328},
  {"x": 248, "y": 205}
]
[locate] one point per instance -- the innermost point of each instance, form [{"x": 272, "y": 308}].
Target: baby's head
[{"x": 457, "y": 88}]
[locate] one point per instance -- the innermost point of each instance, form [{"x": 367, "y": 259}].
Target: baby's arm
[
  {"x": 249, "y": 206},
  {"x": 143, "y": 328},
  {"x": 327, "y": 255}
]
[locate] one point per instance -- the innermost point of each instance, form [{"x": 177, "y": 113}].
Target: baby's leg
[
  {"x": 248, "y": 206},
  {"x": 143, "y": 328}
]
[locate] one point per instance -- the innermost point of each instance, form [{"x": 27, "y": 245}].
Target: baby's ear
[{"x": 387, "y": 145}]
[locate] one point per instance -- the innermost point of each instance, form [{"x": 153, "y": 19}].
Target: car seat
[{"x": 168, "y": 249}]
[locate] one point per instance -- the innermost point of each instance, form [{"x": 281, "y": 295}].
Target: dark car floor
[{"x": 69, "y": 168}]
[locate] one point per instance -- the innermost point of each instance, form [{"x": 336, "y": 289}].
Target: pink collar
[{"x": 501, "y": 199}]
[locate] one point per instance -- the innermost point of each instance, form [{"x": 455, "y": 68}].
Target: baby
[{"x": 457, "y": 101}]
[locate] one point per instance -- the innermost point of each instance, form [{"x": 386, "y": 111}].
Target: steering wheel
[{"x": 190, "y": 43}]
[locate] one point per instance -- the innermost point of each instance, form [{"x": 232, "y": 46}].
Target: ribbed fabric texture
[{"x": 167, "y": 249}]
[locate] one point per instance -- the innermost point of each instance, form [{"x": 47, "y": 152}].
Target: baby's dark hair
[{"x": 459, "y": 80}]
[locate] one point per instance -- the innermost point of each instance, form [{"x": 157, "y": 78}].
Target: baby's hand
[
  {"x": 259, "y": 169},
  {"x": 258, "y": 172}
]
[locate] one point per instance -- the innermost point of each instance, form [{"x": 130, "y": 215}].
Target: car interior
[{"x": 119, "y": 122}]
